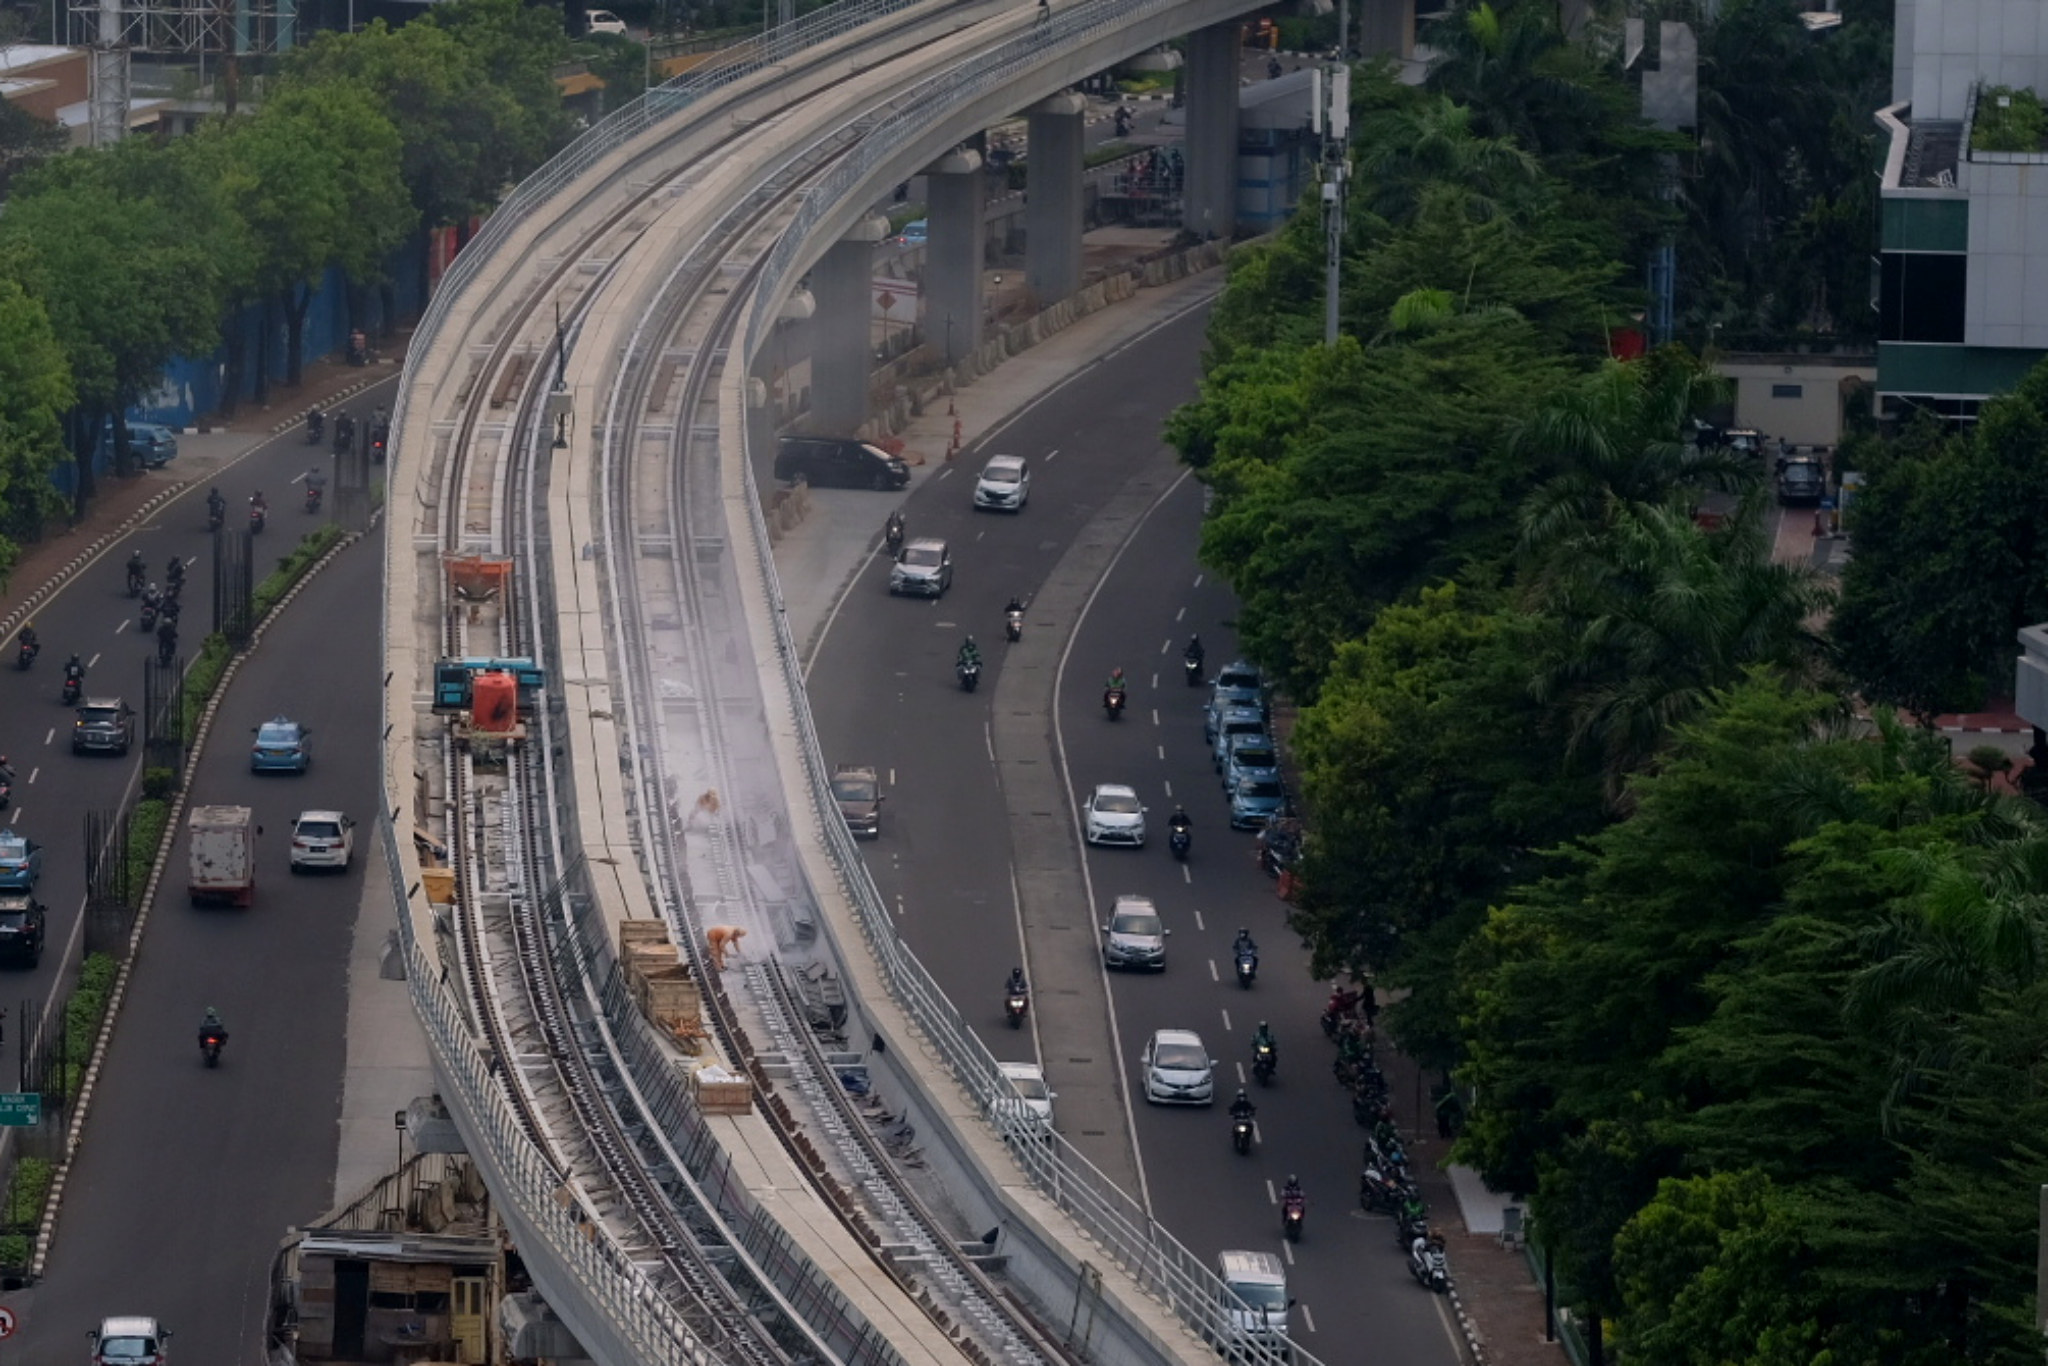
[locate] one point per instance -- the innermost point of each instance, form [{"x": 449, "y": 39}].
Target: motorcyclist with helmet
[{"x": 970, "y": 654}]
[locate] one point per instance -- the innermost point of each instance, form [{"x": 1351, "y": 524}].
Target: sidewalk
[{"x": 203, "y": 453}]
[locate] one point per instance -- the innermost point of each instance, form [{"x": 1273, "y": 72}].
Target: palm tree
[
  {"x": 1433, "y": 141},
  {"x": 1657, "y": 614},
  {"x": 1517, "y": 73},
  {"x": 1616, "y": 441}
]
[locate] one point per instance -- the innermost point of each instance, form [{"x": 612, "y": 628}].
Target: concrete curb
[
  {"x": 1474, "y": 1343},
  {"x": 88, "y": 1081}
]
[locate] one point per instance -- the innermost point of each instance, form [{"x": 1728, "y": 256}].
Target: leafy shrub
[
  {"x": 2009, "y": 120},
  {"x": 82, "y": 1016},
  {"x": 145, "y": 833},
  {"x": 158, "y": 783}
]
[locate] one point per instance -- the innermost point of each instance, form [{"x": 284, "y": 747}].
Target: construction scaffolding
[{"x": 115, "y": 30}]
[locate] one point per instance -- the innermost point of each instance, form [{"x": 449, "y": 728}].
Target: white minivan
[{"x": 1254, "y": 1319}]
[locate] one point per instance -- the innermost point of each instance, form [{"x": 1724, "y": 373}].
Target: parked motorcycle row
[{"x": 1385, "y": 1185}]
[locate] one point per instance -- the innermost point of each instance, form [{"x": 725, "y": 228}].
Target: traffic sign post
[
  {"x": 20, "y": 1110},
  {"x": 7, "y": 1323}
]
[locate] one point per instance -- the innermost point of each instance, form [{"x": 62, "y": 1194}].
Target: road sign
[
  {"x": 7, "y": 1321},
  {"x": 20, "y": 1109}
]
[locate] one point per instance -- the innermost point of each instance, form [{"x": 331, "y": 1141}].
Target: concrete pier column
[
  {"x": 953, "y": 254},
  {"x": 1386, "y": 28},
  {"x": 842, "y": 328},
  {"x": 1209, "y": 196},
  {"x": 1052, "y": 207}
]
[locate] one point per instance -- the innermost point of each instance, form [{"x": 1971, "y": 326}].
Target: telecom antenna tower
[{"x": 114, "y": 30}]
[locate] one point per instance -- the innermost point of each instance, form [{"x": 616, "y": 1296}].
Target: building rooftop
[
  {"x": 22, "y": 56},
  {"x": 1932, "y": 151}
]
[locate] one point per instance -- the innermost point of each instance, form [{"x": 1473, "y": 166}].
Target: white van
[{"x": 1255, "y": 1304}]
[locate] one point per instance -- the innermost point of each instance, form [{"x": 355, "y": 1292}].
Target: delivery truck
[{"x": 223, "y": 855}]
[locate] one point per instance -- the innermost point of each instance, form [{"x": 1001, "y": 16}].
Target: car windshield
[
  {"x": 1135, "y": 922},
  {"x": 1258, "y": 787},
  {"x": 13, "y": 849},
  {"x": 924, "y": 557},
  {"x": 1238, "y": 678},
  {"x": 319, "y": 830},
  {"x": 1253, "y": 756},
  {"x": 1000, "y": 474},
  {"x": 1116, "y": 803},
  {"x": 275, "y": 734},
  {"x": 1249, "y": 725},
  {"x": 853, "y": 789},
  {"x": 98, "y": 716},
  {"x": 1180, "y": 1057},
  {"x": 1260, "y": 1295},
  {"x": 127, "y": 1349},
  {"x": 1031, "y": 1088}
]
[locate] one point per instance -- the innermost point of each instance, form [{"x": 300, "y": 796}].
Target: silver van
[{"x": 1254, "y": 1319}]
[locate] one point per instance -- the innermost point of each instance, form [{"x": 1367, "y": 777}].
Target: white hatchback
[
  {"x": 604, "y": 21},
  {"x": 1033, "y": 1097},
  {"x": 322, "y": 839},
  {"x": 1004, "y": 485},
  {"x": 1113, "y": 815},
  {"x": 1178, "y": 1069}
]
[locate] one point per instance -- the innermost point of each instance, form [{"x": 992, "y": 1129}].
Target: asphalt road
[
  {"x": 187, "y": 1178},
  {"x": 882, "y": 691}
]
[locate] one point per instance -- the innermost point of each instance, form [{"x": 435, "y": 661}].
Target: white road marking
[
  {"x": 32, "y": 774},
  {"x": 1186, "y": 875},
  {"x": 1226, "y": 1030},
  {"x": 1307, "y": 1317},
  {"x": 945, "y": 472},
  {"x": 93, "y": 662},
  {"x": 1162, "y": 751},
  {"x": 1165, "y": 645},
  {"x": 1155, "y": 682},
  {"x": 122, "y": 627},
  {"x": 1169, "y": 786},
  {"x": 1198, "y": 580},
  {"x": 15, "y": 817},
  {"x": 892, "y": 777},
  {"x": 988, "y": 738},
  {"x": 1287, "y": 1248},
  {"x": 1053, "y": 452},
  {"x": 1181, "y": 615},
  {"x": 1214, "y": 976},
  {"x": 1155, "y": 716},
  {"x": 51, "y": 738},
  {"x": 1272, "y": 1196},
  {"x": 1199, "y": 928}
]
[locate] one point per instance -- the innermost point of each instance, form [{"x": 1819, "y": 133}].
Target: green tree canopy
[{"x": 35, "y": 393}]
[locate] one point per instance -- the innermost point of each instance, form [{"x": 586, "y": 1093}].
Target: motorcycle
[
  {"x": 313, "y": 492},
  {"x": 316, "y": 427},
  {"x": 970, "y": 675},
  {"x": 134, "y": 582},
  {"x": 166, "y": 649},
  {"x": 1014, "y": 1007},
  {"x": 74, "y": 687},
  {"x": 1113, "y": 703},
  {"x": 1427, "y": 1265},
  {"x": 148, "y": 614},
  {"x": 892, "y": 536},
  {"x": 6, "y": 792},
  {"x": 1191, "y": 669},
  {"x": 28, "y": 655},
  {"x": 255, "y": 520},
  {"x": 1378, "y": 1192},
  {"x": 1247, "y": 968},
  {"x": 210, "y": 1045},
  {"x": 378, "y": 436},
  {"x": 1411, "y": 1220},
  {"x": 1013, "y": 626},
  {"x": 1241, "y": 1135},
  {"x": 1293, "y": 1213},
  {"x": 216, "y": 514},
  {"x": 1342, "y": 1004},
  {"x": 1178, "y": 840},
  {"x": 1265, "y": 1061}
]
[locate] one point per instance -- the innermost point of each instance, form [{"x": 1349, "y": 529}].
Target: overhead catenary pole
[{"x": 1333, "y": 121}]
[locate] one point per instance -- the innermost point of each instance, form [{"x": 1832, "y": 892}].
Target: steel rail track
[{"x": 1001, "y": 1327}]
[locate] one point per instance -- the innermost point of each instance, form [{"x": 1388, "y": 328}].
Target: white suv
[
  {"x": 1004, "y": 485},
  {"x": 128, "y": 1340},
  {"x": 925, "y": 568}
]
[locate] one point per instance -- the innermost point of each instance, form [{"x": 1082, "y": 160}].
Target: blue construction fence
[{"x": 194, "y": 386}]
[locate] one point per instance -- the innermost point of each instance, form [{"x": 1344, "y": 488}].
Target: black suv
[
  {"x": 21, "y": 927},
  {"x": 823, "y": 460},
  {"x": 104, "y": 723},
  {"x": 1802, "y": 481}
]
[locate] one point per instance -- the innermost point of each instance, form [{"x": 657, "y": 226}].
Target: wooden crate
[
  {"x": 722, "y": 1092},
  {"x": 670, "y": 992},
  {"x": 632, "y": 932}
]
